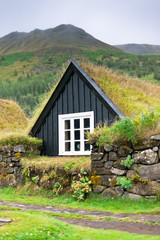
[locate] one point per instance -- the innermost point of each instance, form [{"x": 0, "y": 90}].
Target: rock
[
  {"x": 118, "y": 172},
  {"x": 108, "y": 147},
  {"x": 146, "y": 157},
  {"x": 96, "y": 156},
  {"x": 155, "y": 137},
  {"x": 1, "y": 158},
  {"x": 19, "y": 148},
  {"x": 124, "y": 151},
  {"x": 108, "y": 164},
  {"x": 109, "y": 192},
  {"x": 105, "y": 180},
  {"x": 105, "y": 158},
  {"x": 155, "y": 149},
  {"x": 60, "y": 172},
  {"x": 15, "y": 159},
  {"x": 98, "y": 188},
  {"x": 145, "y": 189},
  {"x": 134, "y": 166},
  {"x": 10, "y": 170},
  {"x": 101, "y": 171},
  {"x": 113, "y": 156},
  {"x": 159, "y": 154},
  {"x": 150, "y": 172},
  {"x": 150, "y": 197},
  {"x": 145, "y": 144},
  {"x": 131, "y": 196},
  {"x": 118, "y": 165},
  {"x": 119, "y": 191},
  {"x": 97, "y": 164},
  {"x": 131, "y": 173}
]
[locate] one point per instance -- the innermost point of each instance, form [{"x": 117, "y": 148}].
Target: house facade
[{"x": 76, "y": 106}]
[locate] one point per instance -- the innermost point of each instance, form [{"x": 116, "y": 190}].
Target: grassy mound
[{"x": 11, "y": 116}]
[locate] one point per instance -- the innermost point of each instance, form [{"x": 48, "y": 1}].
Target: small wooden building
[{"x": 76, "y": 106}]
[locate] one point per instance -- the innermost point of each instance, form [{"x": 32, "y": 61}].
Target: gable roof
[{"x": 74, "y": 67}]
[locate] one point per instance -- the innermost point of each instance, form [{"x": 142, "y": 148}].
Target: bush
[{"x": 81, "y": 187}]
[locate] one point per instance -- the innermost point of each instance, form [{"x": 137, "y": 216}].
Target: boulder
[
  {"x": 97, "y": 164},
  {"x": 108, "y": 164},
  {"x": 101, "y": 171},
  {"x": 96, "y": 156},
  {"x": 145, "y": 144},
  {"x": 131, "y": 173},
  {"x": 119, "y": 191},
  {"x": 109, "y": 192},
  {"x": 108, "y": 147},
  {"x": 98, "y": 188},
  {"x": 124, "y": 151},
  {"x": 145, "y": 189},
  {"x": 105, "y": 158},
  {"x": 146, "y": 157},
  {"x": 155, "y": 137},
  {"x": 113, "y": 156},
  {"x": 131, "y": 196},
  {"x": 118, "y": 172},
  {"x": 151, "y": 172},
  {"x": 19, "y": 149}
]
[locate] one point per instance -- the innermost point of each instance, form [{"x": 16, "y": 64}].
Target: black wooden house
[{"x": 76, "y": 106}]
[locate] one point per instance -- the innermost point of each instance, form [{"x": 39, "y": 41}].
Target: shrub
[
  {"x": 81, "y": 187},
  {"x": 127, "y": 129},
  {"x": 127, "y": 162},
  {"x": 124, "y": 183}
]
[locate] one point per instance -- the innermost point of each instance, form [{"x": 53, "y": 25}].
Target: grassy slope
[
  {"x": 11, "y": 116},
  {"x": 130, "y": 95}
]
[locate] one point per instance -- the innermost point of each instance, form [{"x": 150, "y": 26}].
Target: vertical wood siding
[{"x": 75, "y": 97}]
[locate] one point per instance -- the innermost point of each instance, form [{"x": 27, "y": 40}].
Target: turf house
[{"x": 76, "y": 106}]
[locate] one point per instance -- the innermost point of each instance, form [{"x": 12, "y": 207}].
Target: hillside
[
  {"x": 63, "y": 35},
  {"x": 28, "y": 76},
  {"x": 131, "y": 95},
  {"x": 11, "y": 116},
  {"x": 141, "y": 49}
]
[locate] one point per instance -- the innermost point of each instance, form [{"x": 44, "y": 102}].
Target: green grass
[
  {"x": 93, "y": 202},
  {"x": 36, "y": 225}
]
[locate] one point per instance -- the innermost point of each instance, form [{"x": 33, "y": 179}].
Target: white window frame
[{"x": 71, "y": 117}]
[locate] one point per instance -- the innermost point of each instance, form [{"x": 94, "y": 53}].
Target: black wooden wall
[{"x": 75, "y": 97}]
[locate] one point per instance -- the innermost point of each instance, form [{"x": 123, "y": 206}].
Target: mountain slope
[
  {"x": 62, "y": 35},
  {"x": 140, "y": 49}
]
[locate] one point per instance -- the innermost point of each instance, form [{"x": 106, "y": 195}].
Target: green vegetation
[
  {"x": 124, "y": 183},
  {"x": 27, "y": 77},
  {"x": 128, "y": 129},
  {"x": 81, "y": 187},
  {"x": 127, "y": 162},
  {"x": 93, "y": 202},
  {"x": 68, "y": 163},
  {"x": 35, "y": 225},
  {"x": 12, "y": 117},
  {"x": 18, "y": 138},
  {"x": 134, "y": 65}
]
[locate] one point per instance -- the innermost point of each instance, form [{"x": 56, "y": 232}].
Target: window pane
[
  {"x": 76, "y": 123},
  {"x": 67, "y": 146},
  {"x": 86, "y": 146},
  {"x": 86, "y": 122},
  {"x": 67, "y": 135},
  {"x": 67, "y": 124},
  {"x": 77, "y": 146},
  {"x": 85, "y": 133},
  {"x": 77, "y": 135}
]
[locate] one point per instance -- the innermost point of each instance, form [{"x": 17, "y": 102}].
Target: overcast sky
[{"x": 111, "y": 21}]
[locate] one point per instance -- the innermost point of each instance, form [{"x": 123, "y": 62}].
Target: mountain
[
  {"x": 62, "y": 35},
  {"x": 141, "y": 49}
]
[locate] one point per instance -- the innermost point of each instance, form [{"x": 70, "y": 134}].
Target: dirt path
[{"x": 132, "y": 227}]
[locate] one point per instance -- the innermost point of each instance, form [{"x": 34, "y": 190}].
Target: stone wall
[
  {"x": 10, "y": 166},
  {"x": 144, "y": 173}
]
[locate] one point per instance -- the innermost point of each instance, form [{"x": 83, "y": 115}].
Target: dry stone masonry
[{"x": 144, "y": 173}]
